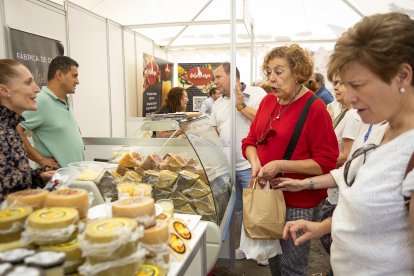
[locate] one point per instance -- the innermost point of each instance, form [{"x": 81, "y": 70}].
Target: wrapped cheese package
[
  {"x": 12, "y": 221},
  {"x": 34, "y": 198},
  {"x": 69, "y": 197}
]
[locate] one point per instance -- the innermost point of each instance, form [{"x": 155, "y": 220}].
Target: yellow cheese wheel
[
  {"x": 15, "y": 244},
  {"x": 158, "y": 234},
  {"x": 106, "y": 230},
  {"x": 134, "y": 207},
  {"x": 35, "y": 198},
  {"x": 8, "y": 219},
  {"x": 69, "y": 197},
  {"x": 73, "y": 254},
  {"x": 55, "y": 217}
]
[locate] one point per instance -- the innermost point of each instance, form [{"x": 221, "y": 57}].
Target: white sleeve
[{"x": 352, "y": 125}]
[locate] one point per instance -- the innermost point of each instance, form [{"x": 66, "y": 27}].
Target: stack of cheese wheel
[
  {"x": 69, "y": 197},
  {"x": 106, "y": 232},
  {"x": 35, "y": 198},
  {"x": 73, "y": 254},
  {"x": 57, "y": 220},
  {"x": 142, "y": 209},
  {"x": 12, "y": 221},
  {"x": 155, "y": 241}
]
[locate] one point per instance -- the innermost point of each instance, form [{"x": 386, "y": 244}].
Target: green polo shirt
[{"x": 54, "y": 129}]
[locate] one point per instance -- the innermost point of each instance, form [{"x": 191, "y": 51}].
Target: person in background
[
  {"x": 372, "y": 226},
  {"x": 247, "y": 101},
  {"x": 288, "y": 68},
  {"x": 56, "y": 136},
  {"x": 176, "y": 101},
  {"x": 207, "y": 104},
  {"x": 346, "y": 123},
  {"x": 310, "y": 85},
  {"x": 321, "y": 91},
  {"x": 18, "y": 92}
]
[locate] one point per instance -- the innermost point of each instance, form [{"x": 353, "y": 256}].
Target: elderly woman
[
  {"x": 176, "y": 101},
  {"x": 17, "y": 93},
  {"x": 372, "y": 229},
  {"x": 316, "y": 151}
]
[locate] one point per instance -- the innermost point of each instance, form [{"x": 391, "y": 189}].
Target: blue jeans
[{"x": 242, "y": 182}]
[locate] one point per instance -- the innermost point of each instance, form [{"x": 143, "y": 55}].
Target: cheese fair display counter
[{"x": 192, "y": 170}]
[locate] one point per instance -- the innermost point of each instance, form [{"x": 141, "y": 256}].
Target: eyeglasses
[
  {"x": 350, "y": 177},
  {"x": 266, "y": 135}
]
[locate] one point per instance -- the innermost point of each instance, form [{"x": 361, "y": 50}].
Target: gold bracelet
[{"x": 311, "y": 183}]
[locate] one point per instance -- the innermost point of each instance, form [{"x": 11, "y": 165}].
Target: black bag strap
[
  {"x": 410, "y": 167},
  {"x": 298, "y": 128}
]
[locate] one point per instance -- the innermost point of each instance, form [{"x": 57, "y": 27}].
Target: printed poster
[
  {"x": 197, "y": 79},
  {"x": 35, "y": 52},
  {"x": 157, "y": 83}
]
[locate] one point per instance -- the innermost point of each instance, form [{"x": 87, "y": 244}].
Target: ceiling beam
[{"x": 183, "y": 23}]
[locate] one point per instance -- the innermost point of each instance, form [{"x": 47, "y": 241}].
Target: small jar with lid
[
  {"x": 15, "y": 256},
  {"x": 50, "y": 262},
  {"x": 26, "y": 271}
]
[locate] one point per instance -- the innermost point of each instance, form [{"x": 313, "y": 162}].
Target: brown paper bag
[{"x": 264, "y": 213}]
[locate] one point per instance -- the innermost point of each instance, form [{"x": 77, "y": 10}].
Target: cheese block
[
  {"x": 161, "y": 193},
  {"x": 131, "y": 176},
  {"x": 173, "y": 162},
  {"x": 35, "y": 198},
  {"x": 186, "y": 180},
  {"x": 186, "y": 209},
  {"x": 134, "y": 207},
  {"x": 128, "y": 161},
  {"x": 166, "y": 179},
  {"x": 179, "y": 199},
  {"x": 199, "y": 189},
  {"x": 12, "y": 221},
  {"x": 51, "y": 218},
  {"x": 150, "y": 177},
  {"x": 72, "y": 252},
  {"x": 157, "y": 234},
  {"x": 151, "y": 161},
  {"x": 69, "y": 197},
  {"x": 204, "y": 204}
]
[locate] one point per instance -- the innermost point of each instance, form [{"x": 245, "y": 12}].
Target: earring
[{"x": 402, "y": 90}]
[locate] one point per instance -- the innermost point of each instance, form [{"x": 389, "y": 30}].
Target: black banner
[
  {"x": 157, "y": 76},
  {"x": 197, "y": 79},
  {"x": 35, "y": 52}
]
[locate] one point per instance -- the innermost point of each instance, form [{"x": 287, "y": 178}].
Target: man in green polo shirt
[{"x": 55, "y": 132}]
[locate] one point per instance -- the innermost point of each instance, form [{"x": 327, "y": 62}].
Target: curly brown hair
[
  {"x": 300, "y": 61},
  {"x": 381, "y": 42},
  {"x": 173, "y": 100}
]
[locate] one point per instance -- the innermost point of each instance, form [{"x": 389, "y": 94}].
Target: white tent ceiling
[{"x": 186, "y": 23}]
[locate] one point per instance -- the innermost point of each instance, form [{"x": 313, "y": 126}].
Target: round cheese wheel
[
  {"x": 69, "y": 197},
  {"x": 8, "y": 218},
  {"x": 55, "y": 217},
  {"x": 157, "y": 234},
  {"x": 106, "y": 230},
  {"x": 134, "y": 207},
  {"x": 35, "y": 198}
]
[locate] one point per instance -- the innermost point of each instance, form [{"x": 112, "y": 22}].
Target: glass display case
[{"x": 192, "y": 169}]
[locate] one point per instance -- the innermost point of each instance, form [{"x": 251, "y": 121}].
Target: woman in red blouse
[{"x": 316, "y": 151}]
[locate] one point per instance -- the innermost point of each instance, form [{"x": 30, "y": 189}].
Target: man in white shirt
[
  {"x": 207, "y": 105},
  {"x": 248, "y": 99}
]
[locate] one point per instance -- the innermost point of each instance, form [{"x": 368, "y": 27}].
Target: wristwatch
[{"x": 241, "y": 106}]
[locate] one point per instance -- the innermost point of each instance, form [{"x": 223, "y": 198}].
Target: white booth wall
[
  {"x": 109, "y": 96},
  {"x": 109, "y": 57}
]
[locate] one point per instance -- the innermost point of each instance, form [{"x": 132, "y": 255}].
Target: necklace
[{"x": 289, "y": 103}]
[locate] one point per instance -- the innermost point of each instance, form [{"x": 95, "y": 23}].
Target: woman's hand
[
  {"x": 270, "y": 170},
  {"x": 47, "y": 175},
  {"x": 289, "y": 184},
  {"x": 311, "y": 230},
  {"x": 256, "y": 167},
  {"x": 49, "y": 162}
]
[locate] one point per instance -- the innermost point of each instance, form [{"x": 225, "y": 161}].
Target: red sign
[
  {"x": 167, "y": 71},
  {"x": 151, "y": 72},
  {"x": 199, "y": 75}
]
